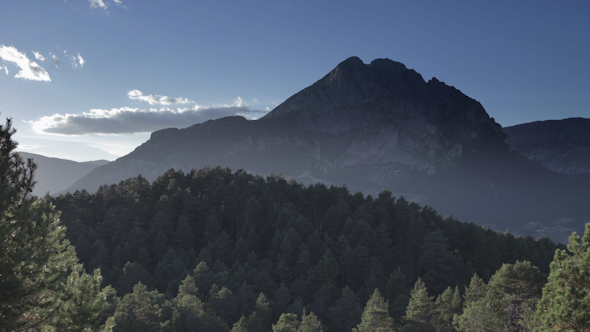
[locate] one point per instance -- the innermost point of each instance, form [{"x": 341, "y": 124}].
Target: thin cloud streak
[
  {"x": 102, "y": 4},
  {"x": 157, "y": 99},
  {"x": 97, "y": 4},
  {"x": 128, "y": 120},
  {"x": 39, "y": 56},
  {"x": 76, "y": 60},
  {"x": 55, "y": 59},
  {"x": 28, "y": 69}
]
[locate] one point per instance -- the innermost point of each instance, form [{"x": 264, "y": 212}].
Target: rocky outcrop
[{"x": 385, "y": 113}]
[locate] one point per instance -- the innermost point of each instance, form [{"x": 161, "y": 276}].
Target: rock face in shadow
[
  {"x": 562, "y": 146},
  {"x": 372, "y": 127},
  {"x": 385, "y": 113}
]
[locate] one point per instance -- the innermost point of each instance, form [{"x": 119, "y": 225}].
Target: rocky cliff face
[
  {"x": 379, "y": 115},
  {"x": 372, "y": 127},
  {"x": 560, "y": 145},
  {"x": 385, "y": 113}
]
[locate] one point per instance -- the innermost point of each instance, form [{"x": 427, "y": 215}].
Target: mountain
[
  {"x": 54, "y": 175},
  {"x": 562, "y": 146},
  {"x": 372, "y": 127}
]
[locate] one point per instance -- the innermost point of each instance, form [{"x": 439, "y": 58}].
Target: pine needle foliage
[
  {"x": 565, "y": 305},
  {"x": 42, "y": 286}
]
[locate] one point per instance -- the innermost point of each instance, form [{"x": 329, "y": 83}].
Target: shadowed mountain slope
[{"x": 560, "y": 145}]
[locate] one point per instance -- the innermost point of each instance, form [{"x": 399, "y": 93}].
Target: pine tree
[
  {"x": 511, "y": 292},
  {"x": 286, "y": 323},
  {"x": 346, "y": 313},
  {"x": 420, "y": 310},
  {"x": 188, "y": 286},
  {"x": 439, "y": 265},
  {"x": 310, "y": 323},
  {"x": 376, "y": 317},
  {"x": 447, "y": 305},
  {"x": 83, "y": 301},
  {"x": 140, "y": 311},
  {"x": 132, "y": 274},
  {"x": 478, "y": 316},
  {"x": 476, "y": 290},
  {"x": 263, "y": 309},
  {"x": 224, "y": 304},
  {"x": 565, "y": 305},
  {"x": 241, "y": 325},
  {"x": 281, "y": 299},
  {"x": 35, "y": 259},
  {"x": 256, "y": 323},
  {"x": 398, "y": 290},
  {"x": 190, "y": 313}
]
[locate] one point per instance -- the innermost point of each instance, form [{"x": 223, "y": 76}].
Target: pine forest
[{"x": 224, "y": 250}]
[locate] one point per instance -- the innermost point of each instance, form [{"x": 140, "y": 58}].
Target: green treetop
[
  {"x": 565, "y": 305},
  {"x": 420, "y": 310},
  {"x": 376, "y": 315}
]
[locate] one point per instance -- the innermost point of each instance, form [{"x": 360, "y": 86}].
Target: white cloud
[
  {"x": 76, "y": 60},
  {"x": 81, "y": 60},
  {"x": 102, "y": 4},
  {"x": 5, "y": 69},
  {"x": 28, "y": 69},
  {"x": 28, "y": 147},
  {"x": 157, "y": 99},
  {"x": 97, "y": 4},
  {"x": 55, "y": 59},
  {"x": 239, "y": 102},
  {"x": 39, "y": 56},
  {"x": 126, "y": 120}
]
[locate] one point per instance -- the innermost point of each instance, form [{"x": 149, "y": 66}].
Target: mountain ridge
[
  {"x": 562, "y": 146},
  {"x": 54, "y": 175},
  {"x": 373, "y": 127}
]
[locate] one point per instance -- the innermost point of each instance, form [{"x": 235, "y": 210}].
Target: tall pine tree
[
  {"x": 565, "y": 305},
  {"x": 41, "y": 284},
  {"x": 376, "y": 317}
]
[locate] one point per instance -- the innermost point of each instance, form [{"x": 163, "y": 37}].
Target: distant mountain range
[
  {"x": 560, "y": 145},
  {"x": 54, "y": 175},
  {"x": 372, "y": 127}
]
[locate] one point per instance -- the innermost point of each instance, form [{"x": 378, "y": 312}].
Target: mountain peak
[
  {"x": 385, "y": 93},
  {"x": 351, "y": 62}
]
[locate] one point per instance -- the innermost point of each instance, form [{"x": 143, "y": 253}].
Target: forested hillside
[
  {"x": 234, "y": 249},
  {"x": 213, "y": 250}
]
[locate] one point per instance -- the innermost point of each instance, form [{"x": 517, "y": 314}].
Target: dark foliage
[{"x": 241, "y": 236}]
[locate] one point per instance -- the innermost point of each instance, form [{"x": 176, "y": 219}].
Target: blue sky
[{"x": 90, "y": 79}]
